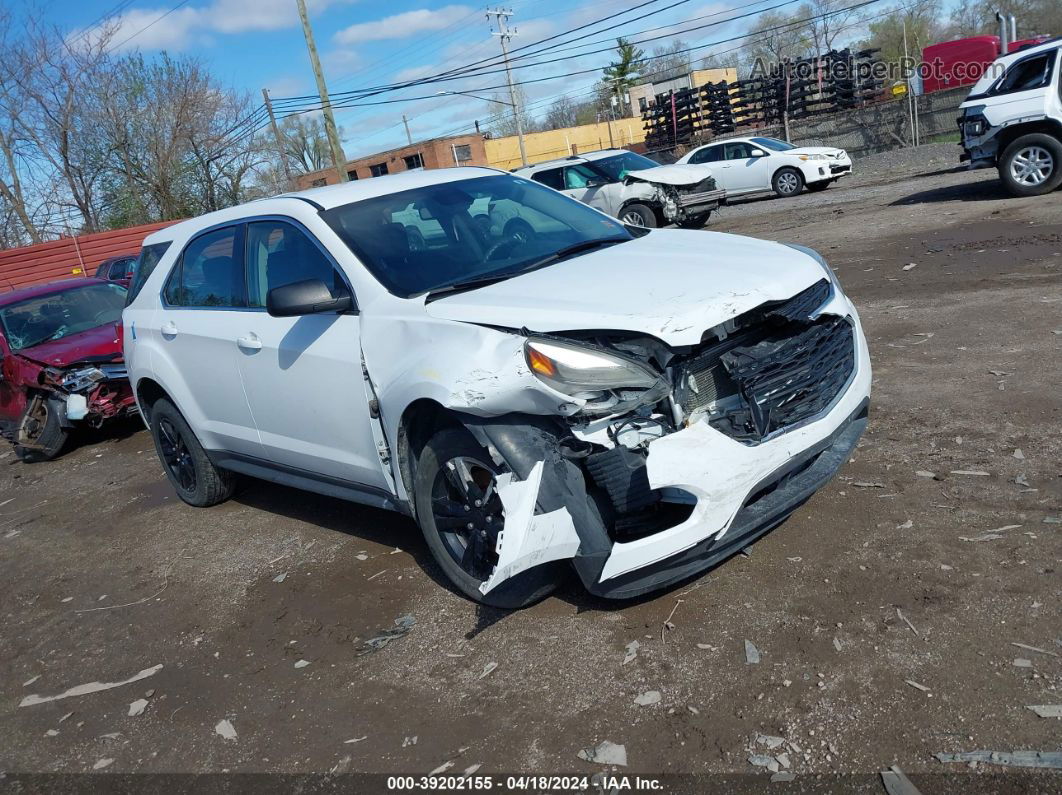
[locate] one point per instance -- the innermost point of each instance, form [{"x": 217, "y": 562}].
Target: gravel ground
[{"x": 887, "y": 611}]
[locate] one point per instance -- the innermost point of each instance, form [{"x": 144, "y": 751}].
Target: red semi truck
[{"x": 951, "y": 64}]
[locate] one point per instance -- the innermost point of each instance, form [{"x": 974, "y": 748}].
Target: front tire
[
  {"x": 787, "y": 182},
  {"x": 190, "y": 471},
  {"x": 638, "y": 215},
  {"x": 460, "y": 514},
  {"x": 1031, "y": 165},
  {"x": 42, "y": 427}
]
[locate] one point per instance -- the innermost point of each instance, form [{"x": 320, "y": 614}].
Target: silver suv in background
[{"x": 633, "y": 188}]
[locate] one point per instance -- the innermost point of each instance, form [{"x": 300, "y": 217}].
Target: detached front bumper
[{"x": 740, "y": 490}]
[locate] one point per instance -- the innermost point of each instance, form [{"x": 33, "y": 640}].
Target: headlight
[
  {"x": 813, "y": 157},
  {"x": 82, "y": 378},
  {"x": 608, "y": 383}
]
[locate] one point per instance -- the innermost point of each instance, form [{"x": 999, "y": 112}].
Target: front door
[
  {"x": 590, "y": 187},
  {"x": 303, "y": 375},
  {"x": 745, "y": 172}
]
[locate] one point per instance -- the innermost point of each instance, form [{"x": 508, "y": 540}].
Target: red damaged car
[{"x": 60, "y": 363}]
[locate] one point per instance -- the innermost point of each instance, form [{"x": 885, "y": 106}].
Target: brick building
[{"x": 454, "y": 150}]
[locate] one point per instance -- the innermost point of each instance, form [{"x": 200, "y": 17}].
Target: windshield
[
  {"x": 442, "y": 235},
  {"x": 618, "y": 166},
  {"x": 57, "y": 315},
  {"x": 773, "y": 143}
]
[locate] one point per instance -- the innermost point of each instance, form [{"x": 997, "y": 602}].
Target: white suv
[
  {"x": 639, "y": 404},
  {"x": 1012, "y": 120}
]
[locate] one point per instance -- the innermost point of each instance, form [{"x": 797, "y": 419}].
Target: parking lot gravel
[{"x": 910, "y": 608}]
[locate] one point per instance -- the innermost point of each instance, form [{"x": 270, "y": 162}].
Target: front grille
[
  {"x": 780, "y": 367},
  {"x": 693, "y": 199},
  {"x": 786, "y": 379}
]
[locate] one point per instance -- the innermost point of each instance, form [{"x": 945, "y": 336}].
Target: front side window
[
  {"x": 1026, "y": 75},
  {"x": 279, "y": 253},
  {"x": 120, "y": 269},
  {"x": 145, "y": 265},
  {"x": 773, "y": 144},
  {"x": 210, "y": 272},
  {"x": 57, "y": 315},
  {"x": 738, "y": 151},
  {"x": 580, "y": 176},
  {"x": 442, "y": 235},
  {"x": 618, "y": 166}
]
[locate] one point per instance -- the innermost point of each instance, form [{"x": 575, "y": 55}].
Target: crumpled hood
[
  {"x": 678, "y": 174},
  {"x": 671, "y": 284},
  {"x": 99, "y": 341}
]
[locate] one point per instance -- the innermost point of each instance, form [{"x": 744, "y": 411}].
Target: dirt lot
[{"x": 889, "y": 576}]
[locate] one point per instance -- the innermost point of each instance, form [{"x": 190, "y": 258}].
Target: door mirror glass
[{"x": 308, "y": 297}]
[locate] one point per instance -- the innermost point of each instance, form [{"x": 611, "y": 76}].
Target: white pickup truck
[{"x": 1012, "y": 120}]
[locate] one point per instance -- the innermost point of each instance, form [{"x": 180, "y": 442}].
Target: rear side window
[
  {"x": 709, "y": 154},
  {"x": 210, "y": 272},
  {"x": 280, "y": 253},
  {"x": 145, "y": 264},
  {"x": 551, "y": 178}
]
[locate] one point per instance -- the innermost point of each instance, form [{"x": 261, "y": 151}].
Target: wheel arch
[
  {"x": 1010, "y": 134},
  {"x": 148, "y": 393},
  {"x": 419, "y": 421}
]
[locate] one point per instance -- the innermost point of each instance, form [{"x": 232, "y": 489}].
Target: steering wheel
[{"x": 508, "y": 241}]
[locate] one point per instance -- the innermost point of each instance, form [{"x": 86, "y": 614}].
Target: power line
[{"x": 149, "y": 25}]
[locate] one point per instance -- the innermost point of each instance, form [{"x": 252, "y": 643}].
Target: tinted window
[
  {"x": 465, "y": 230},
  {"x": 57, "y": 315},
  {"x": 1027, "y": 75},
  {"x": 210, "y": 272},
  {"x": 279, "y": 253},
  {"x": 709, "y": 154},
  {"x": 553, "y": 177},
  {"x": 773, "y": 143},
  {"x": 118, "y": 269},
  {"x": 145, "y": 264}
]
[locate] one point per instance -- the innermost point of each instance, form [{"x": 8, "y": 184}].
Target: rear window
[{"x": 145, "y": 264}]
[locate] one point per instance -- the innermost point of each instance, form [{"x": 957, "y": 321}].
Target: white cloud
[{"x": 402, "y": 26}]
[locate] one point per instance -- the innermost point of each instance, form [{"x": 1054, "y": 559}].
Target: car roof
[
  {"x": 582, "y": 157},
  {"x": 38, "y": 290},
  {"x": 328, "y": 196}
]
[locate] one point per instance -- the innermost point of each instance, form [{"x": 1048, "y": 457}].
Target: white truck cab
[{"x": 1012, "y": 120}]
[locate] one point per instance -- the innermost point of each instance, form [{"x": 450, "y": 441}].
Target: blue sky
[{"x": 258, "y": 43}]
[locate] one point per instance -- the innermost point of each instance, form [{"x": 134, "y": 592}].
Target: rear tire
[
  {"x": 190, "y": 471},
  {"x": 787, "y": 182},
  {"x": 466, "y": 554},
  {"x": 815, "y": 187},
  {"x": 1031, "y": 165},
  {"x": 638, "y": 215}
]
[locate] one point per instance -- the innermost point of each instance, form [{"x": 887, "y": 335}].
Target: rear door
[
  {"x": 203, "y": 306},
  {"x": 303, "y": 375}
]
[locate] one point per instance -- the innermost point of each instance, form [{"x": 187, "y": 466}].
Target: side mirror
[
  {"x": 757, "y": 153},
  {"x": 309, "y": 297}
]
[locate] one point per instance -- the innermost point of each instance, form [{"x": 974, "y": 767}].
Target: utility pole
[
  {"x": 276, "y": 135},
  {"x": 409, "y": 137},
  {"x": 338, "y": 158},
  {"x": 501, "y": 17}
]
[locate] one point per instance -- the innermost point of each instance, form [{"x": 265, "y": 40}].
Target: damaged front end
[
  {"x": 56, "y": 399},
  {"x": 678, "y": 455},
  {"x": 681, "y": 197}
]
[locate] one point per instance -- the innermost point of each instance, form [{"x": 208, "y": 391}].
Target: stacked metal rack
[{"x": 834, "y": 81}]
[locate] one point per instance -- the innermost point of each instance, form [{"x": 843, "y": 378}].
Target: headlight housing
[
  {"x": 813, "y": 157},
  {"x": 81, "y": 378},
  {"x": 606, "y": 381}
]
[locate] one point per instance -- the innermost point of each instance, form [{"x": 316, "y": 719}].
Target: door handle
[
  {"x": 249, "y": 342},
  {"x": 169, "y": 329}
]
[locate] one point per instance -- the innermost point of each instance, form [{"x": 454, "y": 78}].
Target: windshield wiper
[{"x": 483, "y": 281}]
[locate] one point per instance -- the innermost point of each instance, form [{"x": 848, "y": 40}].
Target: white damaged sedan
[{"x": 634, "y": 405}]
